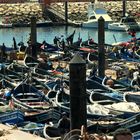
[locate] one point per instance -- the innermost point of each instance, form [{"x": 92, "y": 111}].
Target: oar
[{"x": 115, "y": 38}]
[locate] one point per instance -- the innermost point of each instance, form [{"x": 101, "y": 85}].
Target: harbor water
[{"x": 48, "y": 34}]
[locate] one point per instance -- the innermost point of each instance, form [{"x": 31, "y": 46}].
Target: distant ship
[
  {"x": 95, "y": 11},
  {"x": 126, "y": 23}
]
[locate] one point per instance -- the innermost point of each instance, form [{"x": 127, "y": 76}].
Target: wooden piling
[
  {"x": 124, "y": 7},
  {"x": 66, "y": 12},
  {"x": 101, "y": 50},
  {"x": 33, "y": 36},
  {"x": 78, "y": 111}
]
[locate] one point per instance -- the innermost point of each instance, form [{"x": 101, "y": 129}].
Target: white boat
[
  {"x": 126, "y": 23},
  {"x": 4, "y": 23},
  {"x": 95, "y": 11}
]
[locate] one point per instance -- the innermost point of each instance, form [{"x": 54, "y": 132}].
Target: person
[
  {"x": 110, "y": 83},
  {"x": 115, "y": 50},
  {"x": 63, "y": 44},
  {"x": 56, "y": 40},
  {"x": 122, "y": 50},
  {"x": 132, "y": 32},
  {"x": 8, "y": 93},
  {"x": 90, "y": 41},
  {"x": 64, "y": 124},
  {"x": 122, "y": 134},
  {"x": 3, "y": 50}
]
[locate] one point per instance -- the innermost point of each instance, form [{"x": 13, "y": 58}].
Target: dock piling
[
  {"x": 101, "y": 50},
  {"x": 124, "y": 7},
  {"x": 78, "y": 111},
  {"x": 33, "y": 36},
  {"x": 66, "y": 12}
]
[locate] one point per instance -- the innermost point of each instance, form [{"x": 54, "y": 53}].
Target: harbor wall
[
  {"x": 78, "y": 11},
  {"x": 22, "y": 12}
]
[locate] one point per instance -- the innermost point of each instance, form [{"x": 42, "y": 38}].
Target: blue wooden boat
[
  {"x": 12, "y": 117},
  {"x": 51, "y": 132},
  {"x": 18, "y": 69},
  {"x": 32, "y": 127},
  {"x": 126, "y": 57},
  {"x": 136, "y": 83},
  {"x": 49, "y": 115},
  {"x": 94, "y": 111},
  {"x": 28, "y": 97},
  {"x": 99, "y": 96},
  {"x": 137, "y": 53},
  {"x": 117, "y": 85},
  {"x": 50, "y": 48},
  {"x": 30, "y": 62},
  {"x": 136, "y": 135},
  {"x": 132, "y": 123},
  {"x": 132, "y": 97}
]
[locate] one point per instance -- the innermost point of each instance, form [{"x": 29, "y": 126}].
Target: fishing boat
[
  {"x": 126, "y": 23},
  {"x": 12, "y": 117},
  {"x": 28, "y": 97},
  {"x": 135, "y": 82},
  {"x": 32, "y": 127},
  {"x": 127, "y": 56},
  {"x": 49, "y": 115},
  {"x": 116, "y": 85},
  {"x": 51, "y": 132},
  {"x": 132, "y": 97},
  {"x": 30, "y": 62},
  {"x": 137, "y": 53},
  {"x": 131, "y": 123},
  {"x": 136, "y": 135},
  {"x": 95, "y": 110},
  {"x": 95, "y": 11}
]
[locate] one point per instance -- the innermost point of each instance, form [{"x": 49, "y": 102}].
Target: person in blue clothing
[{"x": 7, "y": 94}]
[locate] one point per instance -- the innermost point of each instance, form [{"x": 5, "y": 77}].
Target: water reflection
[{"x": 48, "y": 33}]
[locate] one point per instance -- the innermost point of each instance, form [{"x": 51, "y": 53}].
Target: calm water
[{"x": 48, "y": 33}]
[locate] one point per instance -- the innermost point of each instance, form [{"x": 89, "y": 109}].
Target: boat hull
[
  {"x": 93, "y": 24},
  {"x": 13, "y": 117}
]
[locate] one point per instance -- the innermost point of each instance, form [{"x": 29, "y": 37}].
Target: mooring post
[
  {"x": 101, "y": 50},
  {"x": 78, "y": 111},
  {"x": 33, "y": 36},
  {"x": 124, "y": 7},
  {"x": 66, "y": 12}
]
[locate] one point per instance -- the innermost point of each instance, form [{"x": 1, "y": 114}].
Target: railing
[{"x": 56, "y": 11}]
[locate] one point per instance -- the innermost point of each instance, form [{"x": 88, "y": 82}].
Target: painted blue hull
[{"x": 13, "y": 117}]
